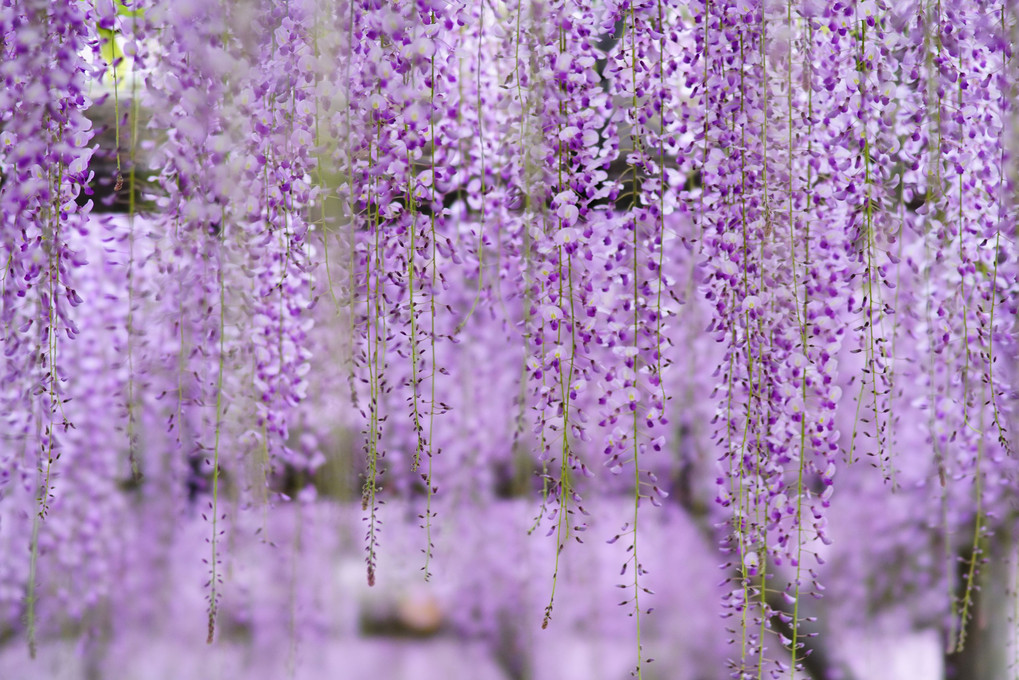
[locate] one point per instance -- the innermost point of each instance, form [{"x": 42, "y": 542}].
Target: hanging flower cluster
[
  {"x": 460, "y": 252},
  {"x": 44, "y": 161}
]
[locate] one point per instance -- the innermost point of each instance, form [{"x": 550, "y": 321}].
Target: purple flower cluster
[{"x": 743, "y": 259}]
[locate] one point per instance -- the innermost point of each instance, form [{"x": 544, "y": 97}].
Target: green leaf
[
  {"x": 125, "y": 12},
  {"x": 111, "y": 52}
]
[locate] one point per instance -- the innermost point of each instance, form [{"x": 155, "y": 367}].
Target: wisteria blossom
[{"x": 501, "y": 291}]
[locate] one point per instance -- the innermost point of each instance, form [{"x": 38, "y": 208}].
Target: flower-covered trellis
[{"x": 749, "y": 259}]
